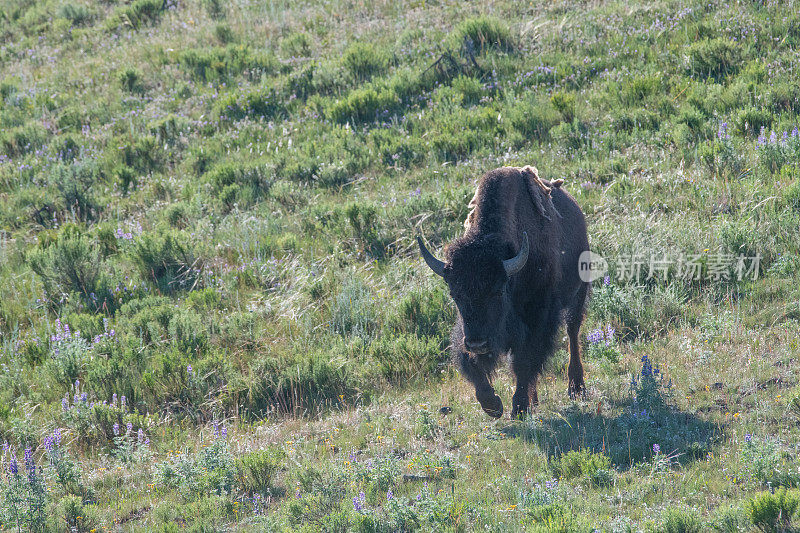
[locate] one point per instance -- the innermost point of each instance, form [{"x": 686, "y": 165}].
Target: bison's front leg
[
  {"x": 525, "y": 393},
  {"x": 477, "y": 374}
]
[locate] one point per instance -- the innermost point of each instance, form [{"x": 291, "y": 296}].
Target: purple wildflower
[
  {"x": 656, "y": 449},
  {"x": 595, "y": 336},
  {"x": 116, "y": 429},
  {"x": 13, "y": 469},
  {"x": 30, "y": 465}
]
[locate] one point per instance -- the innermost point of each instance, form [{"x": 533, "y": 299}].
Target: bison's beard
[{"x": 498, "y": 344}]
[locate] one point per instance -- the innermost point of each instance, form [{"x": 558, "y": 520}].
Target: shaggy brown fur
[{"x": 519, "y": 315}]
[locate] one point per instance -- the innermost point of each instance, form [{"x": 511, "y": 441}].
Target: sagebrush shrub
[
  {"x": 714, "y": 57},
  {"x": 214, "y": 8},
  {"x": 219, "y": 64},
  {"x": 773, "y": 512},
  {"x": 130, "y": 79},
  {"x": 137, "y": 14},
  {"x": 366, "y": 104},
  {"x": 21, "y": 140},
  {"x": 564, "y": 104},
  {"x": 265, "y": 103},
  {"x": 167, "y": 258},
  {"x": 77, "y": 14},
  {"x": 224, "y": 34},
  {"x": 256, "y": 470},
  {"x": 364, "y": 60},
  {"x": 75, "y": 183},
  {"x": 354, "y": 310},
  {"x": 69, "y": 265},
  {"x": 751, "y": 121},
  {"x": 482, "y": 34},
  {"x": 296, "y": 44},
  {"x": 533, "y": 120},
  {"x": 677, "y": 520},
  {"x": 594, "y": 468}
]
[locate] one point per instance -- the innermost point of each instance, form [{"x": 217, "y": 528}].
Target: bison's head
[{"x": 477, "y": 275}]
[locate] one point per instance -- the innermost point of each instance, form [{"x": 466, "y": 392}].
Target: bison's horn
[
  {"x": 515, "y": 264},
  {"x": 436, "y": 265}
]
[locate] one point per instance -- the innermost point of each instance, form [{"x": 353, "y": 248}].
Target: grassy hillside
[{"x": 214, "y": 318}]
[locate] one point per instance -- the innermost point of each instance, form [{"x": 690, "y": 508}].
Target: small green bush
[
  {"x": 296, "y": 44},
  {"x": 256, "y": 470},
  {"x": 21, "y": 140},
  {"x": 366, "y": 104},
  {"x": 214, "y": 8},
  {"x": 354, "y": 310},
  {"x": 423, "y": 312},
  {"x": 595, "y": 468},
  {"x": 144, "y": 155},
  {"x": 130, "y": 80},
  {"x": 219, "y": 64},
  {"x": 751, "y": 120},
  {"x": 482, "y": 34},
  {"x": 137, "y": 14},
  {"x": 125, "y": 177},
  {"x": 533, "y": 120},
  {"x": 241, "y": 183},
  {"x": 773, "y": 512},
  {"x": 714, "y": 58},
  {"x": 364, "y": 60},
  {"x": 300, "y": 381},
  {"x": 405, "y": 357},
  {"x": 264, "y": 103},
  {"x": 167, "y": 259},
  {"x": 76, "y": 14},
  {"x": 71, "y": 264},
  {"x": 224, "y": 34},
  {"x": 188, "y": 331},
  {"x": 469, "y": 88},
  {"x": 565, "y": 104},
  {"x": 680, "y": 521},
  {"x": 74, "y": 183}
]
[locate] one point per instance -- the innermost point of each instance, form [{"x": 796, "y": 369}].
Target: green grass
[{"x": 210, "y": 209}]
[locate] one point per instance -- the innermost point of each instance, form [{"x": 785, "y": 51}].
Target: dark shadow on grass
[{"x": 626, "y": 438}]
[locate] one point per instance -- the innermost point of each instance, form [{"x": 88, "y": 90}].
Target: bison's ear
[
  {"x": 436, "y": 265},
  {"x": 517, "y": 263}
]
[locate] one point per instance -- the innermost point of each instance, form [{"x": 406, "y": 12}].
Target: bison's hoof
[
  {"x": 576, "y": 388},
  {"x": 493, "y": 406}
]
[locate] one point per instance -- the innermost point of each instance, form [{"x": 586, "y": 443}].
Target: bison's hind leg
[{"x": 574, "y": 321}]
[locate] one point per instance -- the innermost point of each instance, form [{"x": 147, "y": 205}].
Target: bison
[{"x": 514, "y": 278}]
